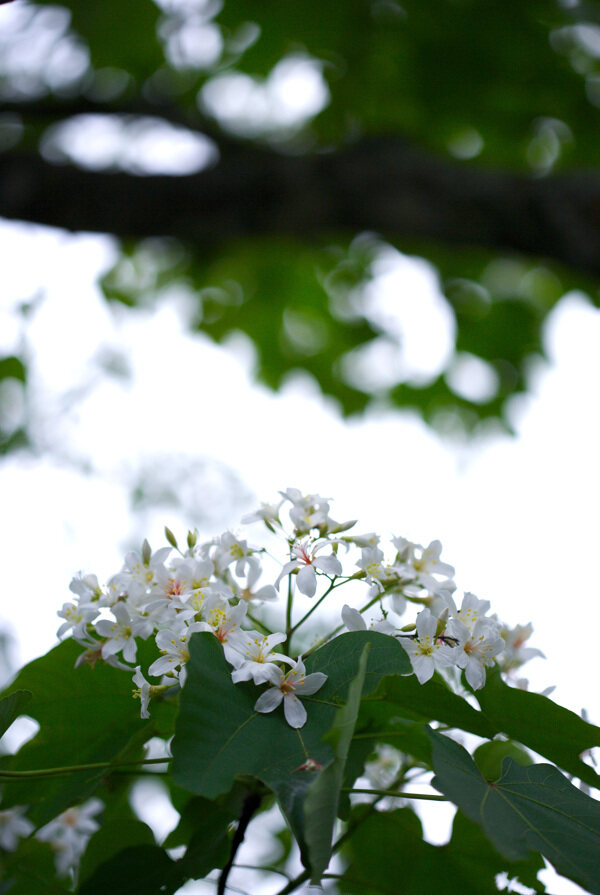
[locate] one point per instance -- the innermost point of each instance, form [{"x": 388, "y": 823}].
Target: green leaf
[
  {"x": 489, "y": 757},
  {"x": 12, "y": 367},
  {"x": 387, "y": 855},
  {"x": 434, "y": 701},
  {"x": 30, "y": 871},
  {"x": 537, "y": 722},
  {"x": 139, "y": 870},
  {"x": 86, "y": 715},
  {"x": 219, "y": 735},
  {"x": 529, "y": 808},
  {"x": 115, "y": 834},
  {"x": 11, "y": 707},
  {"x": 322, "y": 796},
  {"x": 204, "y": 828},
  {"x": 116, "y": 38}
]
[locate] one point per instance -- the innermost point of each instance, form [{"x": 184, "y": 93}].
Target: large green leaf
[
  {"x": 433, "y": 701},
  {"x": 322, "y": 796},
  {"x": 30, "y": 871},
  {"x": 86, "y": 715},
  {"x": 219, "y": 736},
  {"x": 387, "y": 855},
  {"x": 531, "y": 808},
  {"x": 11, "y": 707},
  {"x": 204, "y": 829},
  {"x": 537, "y": 722},
  {"x": 137, "y": 870}
]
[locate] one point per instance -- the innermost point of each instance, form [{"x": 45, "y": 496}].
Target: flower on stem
[
  {"x": 476, "y": 647},
  {"x": 426, "y": 650},
  {"x": 267, "y": 513},
  {"x": 306, "y": 563},
  {"x": 355, "y": 622},
  {"x": 515, "y": 653},
  {"x": 121, "y": 633},
  {"x": 258, "y": 660},
  {"x": 174, "y": 646},
  {"x": 266, "y": 593},
  {"x": 77, "y": 618},
  {"x": 287, "y": 688}
]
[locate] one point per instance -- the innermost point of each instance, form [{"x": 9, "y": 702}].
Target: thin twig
[
  {"x": 251, "y": 803},
  {"x": 98, "y": 765}
]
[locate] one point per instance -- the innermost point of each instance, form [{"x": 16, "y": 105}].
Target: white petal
[
  {"x": 269, "y": 700},
  {"x": 475, "y": 673},
  {"x": 295, "y": 713},
  {"x": 424, "y": 668},
  {"x": 307, "y": 581},
  {"x": 329, "y": 564},
  {"x": 312, "y": 683},
  {"x": 353, "y": 619}
]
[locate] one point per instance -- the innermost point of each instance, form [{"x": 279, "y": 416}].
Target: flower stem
[
  {"x": 288, "y": 615},
  {"x": 312, "y": 608},
  {"x": 98, "y": 765}
]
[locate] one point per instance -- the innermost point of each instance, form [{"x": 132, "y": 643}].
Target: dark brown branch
[
  {"x": 250, "y": 806},
  {"x": 383, "y": 185}
]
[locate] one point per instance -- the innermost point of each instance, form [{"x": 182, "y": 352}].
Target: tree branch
[
  {"x": 251, "y": 803},
  {"x": 384, "y": 185}
]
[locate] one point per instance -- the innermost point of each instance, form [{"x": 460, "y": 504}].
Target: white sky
[{"x": 517, "y": 517}]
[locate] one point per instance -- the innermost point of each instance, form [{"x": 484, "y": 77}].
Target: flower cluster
[
  {"x": 67, "y": 835},
  {"x": 217, "y": 585}
]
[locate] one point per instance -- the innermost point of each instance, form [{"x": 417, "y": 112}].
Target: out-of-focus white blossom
[
  {"x": 69, "y": 833},
  {"x": 14, "y": 826}
]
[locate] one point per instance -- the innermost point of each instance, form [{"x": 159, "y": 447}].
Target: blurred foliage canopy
[{"x": 307, "y": 146}]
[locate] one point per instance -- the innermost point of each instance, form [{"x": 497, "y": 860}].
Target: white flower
[
  {"x": 383, "y": 770},
  {"x": 143, "y": 693},
  {"x": 267, "y": 593},
  {"x": 287, "y": 688},
  {"x": 267, "y": 513},
  {"x": 230, "y": 549},
  {"x": 68, "y": 834},
  {"x": 476, "y": 648},
  {"x": 306, "y": 562},
  {"x": 78, "y": 618},
  {"x": 308, "y": 510},
  {"x": 121, "y": 633},
  {"x": 355, "y": 622},
  {"x": 257, "y": 658},
  {"x": 472, "y": 610},
  {"x": 174, "y": 646},
  {"x": 139, "y": 570},
  {"x": 86, "y": 587},
  {"x": 14, "y": 826},
  {"x": 515, "y": 653},
  {"x": 425, "y": 650},
  {"x": 422, "y": 563},
  {"x": 224, "y": 621}
]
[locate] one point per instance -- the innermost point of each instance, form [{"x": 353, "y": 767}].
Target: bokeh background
[{"x": 350, "y": 248}]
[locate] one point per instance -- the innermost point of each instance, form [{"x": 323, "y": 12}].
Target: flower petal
[
  {"x": 295, "y": 713},
  {"x": 269, "y": 700},
  {"x": 311, "y": 683}
]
